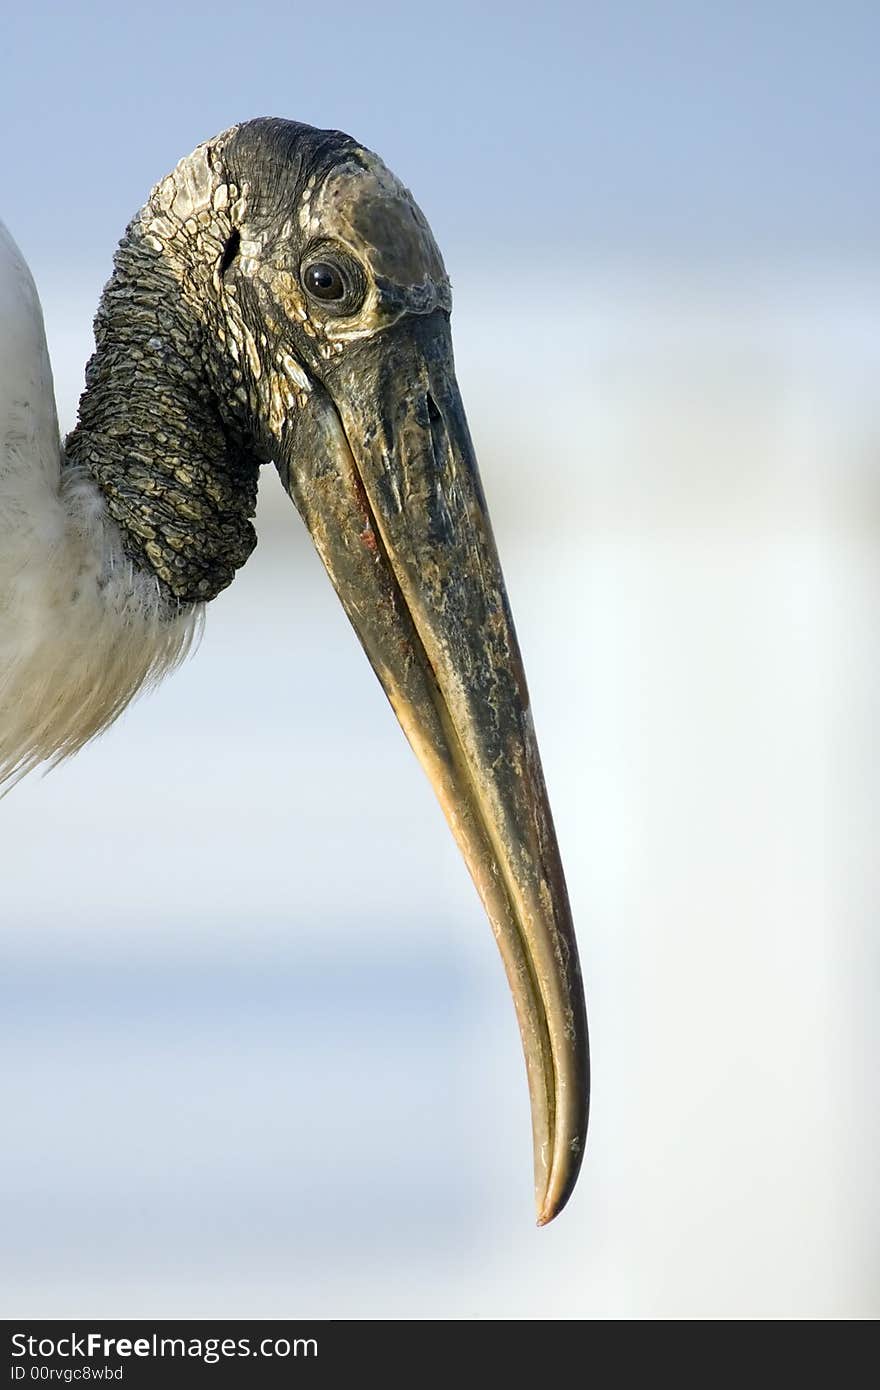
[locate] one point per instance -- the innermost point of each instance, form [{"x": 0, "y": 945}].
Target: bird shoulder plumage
[{"x": 81, "y": 630}]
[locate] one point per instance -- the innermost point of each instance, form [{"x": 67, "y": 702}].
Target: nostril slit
[{"x": 438, "y": 432}]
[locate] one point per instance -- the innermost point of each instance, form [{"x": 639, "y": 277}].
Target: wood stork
[{"x": 280, "y": 298}]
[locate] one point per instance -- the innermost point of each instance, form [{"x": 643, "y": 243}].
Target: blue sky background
[{"x": 647, "y": 130}]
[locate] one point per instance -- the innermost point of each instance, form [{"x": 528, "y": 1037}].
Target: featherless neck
[{"x": 176, "y": 473}]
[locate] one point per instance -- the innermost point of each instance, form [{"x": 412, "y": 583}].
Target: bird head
[
  {"x": 281, "y": 299},
  {"x": 272, "y": 272}
]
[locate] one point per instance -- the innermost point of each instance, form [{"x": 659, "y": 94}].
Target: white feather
[{"x": 81, "y": 630}]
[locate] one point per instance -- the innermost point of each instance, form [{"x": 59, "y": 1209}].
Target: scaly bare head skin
[{"x": 281, "y": 299}]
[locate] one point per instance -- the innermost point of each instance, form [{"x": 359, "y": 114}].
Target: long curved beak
[{"x": 387, "y": 483}]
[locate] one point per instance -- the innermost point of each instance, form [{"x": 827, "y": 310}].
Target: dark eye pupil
[{"x": 324, "y": 281}]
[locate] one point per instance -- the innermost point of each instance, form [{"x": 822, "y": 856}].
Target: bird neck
[{"x": 177, "y": 475}]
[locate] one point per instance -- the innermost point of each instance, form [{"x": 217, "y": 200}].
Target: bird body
[
  {"x": 82, "y": 630},
  {"x": 280, "y": 299}
]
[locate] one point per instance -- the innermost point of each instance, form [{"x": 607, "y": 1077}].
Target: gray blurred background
[{"x": 260, "y": 1057}]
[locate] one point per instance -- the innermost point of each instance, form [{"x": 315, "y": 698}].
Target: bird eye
[
  {"x": 333, "y": 277},
  {"x": 324, "y": 281}
]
